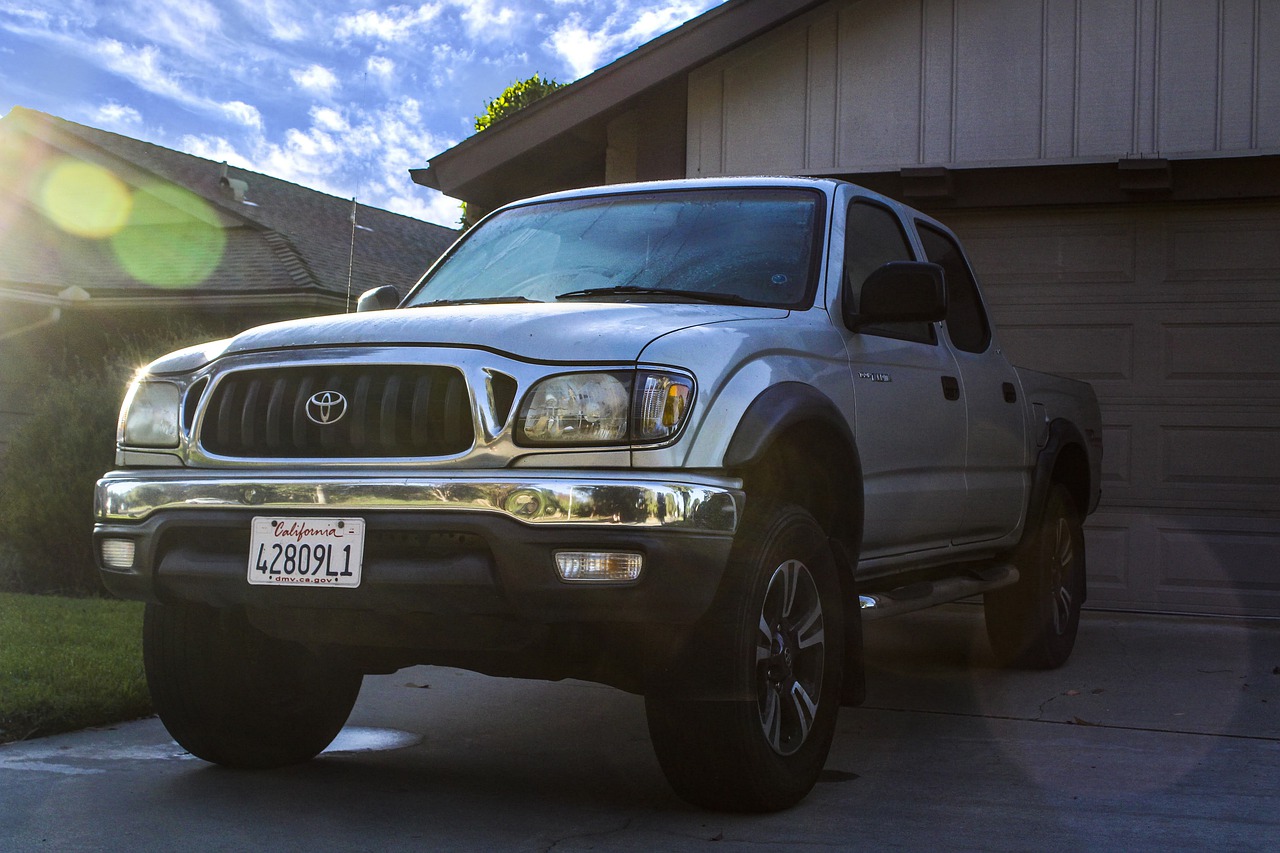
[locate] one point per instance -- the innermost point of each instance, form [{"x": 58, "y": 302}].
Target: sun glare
[{"x": 85, "y": 200}]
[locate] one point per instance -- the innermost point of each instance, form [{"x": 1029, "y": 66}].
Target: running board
[{"x": 918, "y": 596}]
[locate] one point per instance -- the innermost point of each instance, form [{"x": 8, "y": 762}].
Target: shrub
[{"x": 54, "y": 459}]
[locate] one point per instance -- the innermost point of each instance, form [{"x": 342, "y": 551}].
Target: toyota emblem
[{"x": 326, "y": 407}]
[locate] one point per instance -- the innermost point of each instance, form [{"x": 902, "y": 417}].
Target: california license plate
[{"x": 306, "y": 551}]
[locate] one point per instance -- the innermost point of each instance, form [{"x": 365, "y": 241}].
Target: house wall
[
  {"x": 877, "y": 85},
  {"x": 647, "y": 141}
]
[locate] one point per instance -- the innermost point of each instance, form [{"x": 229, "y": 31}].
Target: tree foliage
[{"x": 514, "y": 98}]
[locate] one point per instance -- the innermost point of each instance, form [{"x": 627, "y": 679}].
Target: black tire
[
  {"x": 1033, "y": 624},
  {"x": 231, "y": 695},
  {"x": 783, "y": 643}
]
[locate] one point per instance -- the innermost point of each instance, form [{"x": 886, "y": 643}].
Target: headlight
[
  {"x": 150, "y": 415},
  {"x": 604, "y": 408}
]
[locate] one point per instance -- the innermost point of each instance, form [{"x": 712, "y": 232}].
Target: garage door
[{"x": 1173, "y": 314}]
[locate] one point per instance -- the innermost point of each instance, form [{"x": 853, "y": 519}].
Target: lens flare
[
  {"x": 171, "y": 240},
  {"x": 85, "y": 200}
]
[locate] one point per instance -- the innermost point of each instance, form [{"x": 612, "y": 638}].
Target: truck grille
[{"x": 339, "y": 412}]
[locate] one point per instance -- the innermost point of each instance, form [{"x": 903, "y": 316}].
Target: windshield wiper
[
  {"x": 484, "y": 300},
  {"x": 629, "y": 289}
]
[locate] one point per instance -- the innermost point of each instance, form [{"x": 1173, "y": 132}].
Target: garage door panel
[
  {"x": 1172, "y": 313},
  {"x": 1224, "y": 566},
  {"x": 1223, "y": 350},
  {"x": 1117, "y": 458},
  {"x": 1178, "y": 457},
  {"x": 1187, "y": 563},
  {"x": 1068, "y": 249},
  {"x": 1107, "y": 552},
  {"x": 1224, "y": 247},
  {"x": 1092, "y": 353},
  {"x": 1155, "y": 352},
  {"x": 1208, "y": 557},
  {"x": 1222, "y": 459}
]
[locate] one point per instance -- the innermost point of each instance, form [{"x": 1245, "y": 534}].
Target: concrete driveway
[{"x": 1162, "y": 733}]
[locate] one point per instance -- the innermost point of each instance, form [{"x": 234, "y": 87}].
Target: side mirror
[
  {"x": 899, "y": 292},
  {"x": 378, "y": 299}
]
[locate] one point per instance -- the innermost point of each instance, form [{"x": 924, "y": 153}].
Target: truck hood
[{"x": 563, "y": 331}]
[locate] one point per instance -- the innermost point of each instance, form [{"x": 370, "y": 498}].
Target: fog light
[
  {"x": 117, "y": 553},
  {"x": 614, "y": 566}
]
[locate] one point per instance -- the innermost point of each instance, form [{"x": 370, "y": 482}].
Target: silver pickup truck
[{"x": 680, "y": 438}]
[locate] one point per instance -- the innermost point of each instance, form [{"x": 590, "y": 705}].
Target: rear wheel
[
  {"x": 783, "y": 644},
  {"x": 234, "y": 696},
  {"x": 1033, "y": 624}
]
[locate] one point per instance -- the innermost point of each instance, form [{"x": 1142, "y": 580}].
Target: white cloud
[
  {"x": 142, "y": 66},
  {"x": 145, "y": 67},
  {"x": 284, "y": 22},
  {"x": 652, "y": 22},
  {"x": 242, "y": 113},
  {"x": 38, "y": 18},
  {"x": 114, "y": 116},
  {"x": 192, "y": 28},
  {"x": 381, "y": 67},
  {"x": 581, "y": 50},
  {"x": 329, "y": 119},
  {"x": 215, "y": 148},
  {"x": 485, "y": 22},
  {"x": 315, "y": 79},
  {"x": 586, "y": 45},
  {"x": 352, "y": 152},
  {"x": 395, "y": 24},
  {"x": 426, "y": 204}
]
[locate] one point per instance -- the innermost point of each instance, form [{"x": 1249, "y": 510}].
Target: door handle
[
  {"x": 1010, "y": 392},
  {"x": 951, "y": 387}
]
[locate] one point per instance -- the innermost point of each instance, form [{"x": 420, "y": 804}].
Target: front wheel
[
  {"x": 1033, "y": 624},
  {"x": 782, "y": 640},
  {"x": 234, "y": 696}
]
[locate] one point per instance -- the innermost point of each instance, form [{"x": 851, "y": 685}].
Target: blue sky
[{"x": 340, "y": 95}]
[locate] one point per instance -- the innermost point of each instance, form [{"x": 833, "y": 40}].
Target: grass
[{"x": 68, "y": 663}]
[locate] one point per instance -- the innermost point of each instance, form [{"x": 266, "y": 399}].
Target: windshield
[{"x": 752, "y": 246}]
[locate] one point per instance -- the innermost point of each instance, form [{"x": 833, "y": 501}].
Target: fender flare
[
  {"x": 778, "y": 408},
  {"x": 783, "y": 407}
]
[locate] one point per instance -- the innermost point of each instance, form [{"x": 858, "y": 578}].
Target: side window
[
  {"x": 966, "y": 321},
  {"x": 873, "y": 236}
]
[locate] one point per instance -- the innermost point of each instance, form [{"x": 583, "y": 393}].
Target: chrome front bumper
[{"x": 548, "y": 498}]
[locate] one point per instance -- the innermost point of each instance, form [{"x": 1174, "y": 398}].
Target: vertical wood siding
[{"x": 876, "y": 85}]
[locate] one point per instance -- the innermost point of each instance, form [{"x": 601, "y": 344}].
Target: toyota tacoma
[{"x": 681, "y": 438}]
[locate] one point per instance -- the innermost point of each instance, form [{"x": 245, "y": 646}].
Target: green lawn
[{"x": 68, "y": 663}]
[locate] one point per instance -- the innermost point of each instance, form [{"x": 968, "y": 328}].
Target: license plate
[{"x": 306, "y": 551}]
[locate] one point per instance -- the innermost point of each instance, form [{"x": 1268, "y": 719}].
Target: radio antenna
[{"x": 351, "y": 258}]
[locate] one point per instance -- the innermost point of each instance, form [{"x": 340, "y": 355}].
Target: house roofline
[{"x": 600, "y": 93}]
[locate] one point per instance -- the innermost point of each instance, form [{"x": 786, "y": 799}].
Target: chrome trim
[{"x": 549, "y": 500}]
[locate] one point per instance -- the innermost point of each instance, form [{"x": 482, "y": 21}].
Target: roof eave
[{"x": 707, "y": 36}]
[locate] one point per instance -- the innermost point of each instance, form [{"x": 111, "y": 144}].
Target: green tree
[{"x": 514, "y": 98}]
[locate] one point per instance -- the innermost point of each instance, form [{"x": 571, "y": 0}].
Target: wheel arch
[
  {"x": 1063, "y": 459},
  {"x": 793, "y": 446},
  {"x": 792, "y": 428}
]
